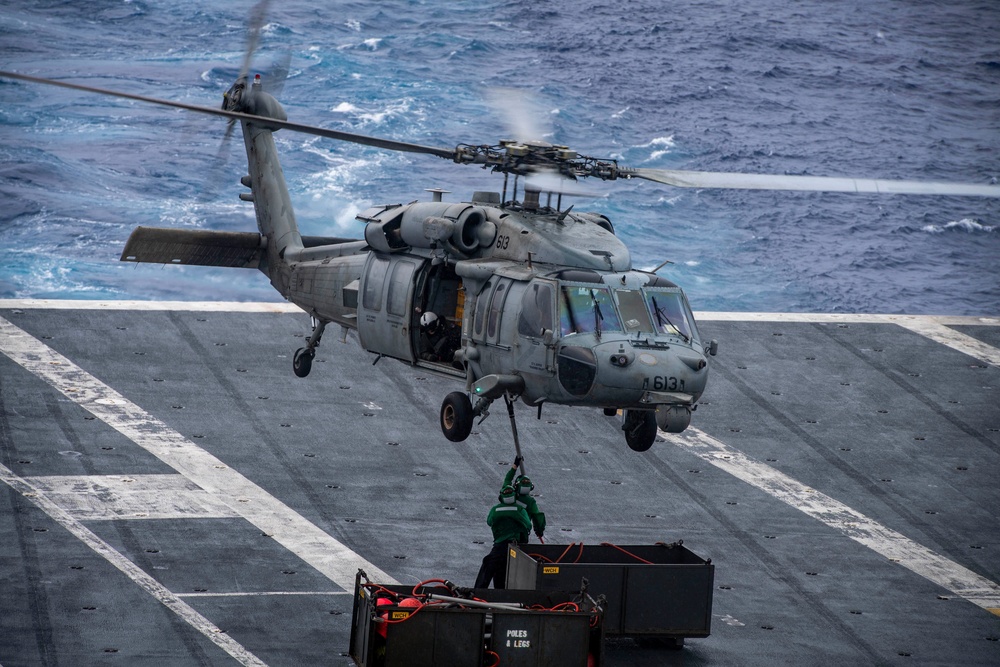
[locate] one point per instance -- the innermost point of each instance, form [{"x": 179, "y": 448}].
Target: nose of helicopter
[{"x": 651, "y": 374}]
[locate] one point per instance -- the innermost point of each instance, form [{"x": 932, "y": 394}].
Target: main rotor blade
[
  {"x": 364, "y": 140},
  {"x": 731, "y": 181}
]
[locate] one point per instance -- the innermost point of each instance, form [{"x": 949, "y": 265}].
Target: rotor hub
[{"x": 525, "y": 158}]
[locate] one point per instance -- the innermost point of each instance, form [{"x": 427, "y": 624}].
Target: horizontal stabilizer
[
  {"x": 159, "y": 245},
  {"x": 316, "y": 241}
]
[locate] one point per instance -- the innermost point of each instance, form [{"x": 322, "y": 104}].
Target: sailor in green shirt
[
  {"x": 522, "y": 487},
  {"x": 509, "y": 522}
]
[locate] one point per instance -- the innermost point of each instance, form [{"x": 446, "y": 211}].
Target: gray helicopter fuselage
[{"x": 578, "y": 334}]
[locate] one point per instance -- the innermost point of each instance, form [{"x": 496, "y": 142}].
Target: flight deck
[{"x": 174, "y": 495}]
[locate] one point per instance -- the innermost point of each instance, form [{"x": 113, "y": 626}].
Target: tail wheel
[
  {"x": 456, "y": 416},
  {"x": 302, "y": 361},
  {"x": 640, "y": 429}
]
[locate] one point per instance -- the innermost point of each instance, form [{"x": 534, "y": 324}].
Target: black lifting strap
[{"x": 513, "y": 427}]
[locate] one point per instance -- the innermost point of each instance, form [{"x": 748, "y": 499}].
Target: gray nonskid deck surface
[{"x": 111, "y": 554}]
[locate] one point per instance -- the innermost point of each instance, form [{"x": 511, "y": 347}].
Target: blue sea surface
[{"x": 904, "y": 89}]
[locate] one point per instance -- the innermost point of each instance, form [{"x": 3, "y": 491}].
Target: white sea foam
[
  {"x": 345, "y": 107},
  {"x": 670, "y": 201},
  {"x": 47, "y": 276},
  {"x": 372, "y": 44},
  {"x": 660, "y": 141},
  {"x": 967, "y": 225},
  {"x": 662, "y": 146},
  {"x": 331, "y": 193},
  {"x": 400, "y": 108}
]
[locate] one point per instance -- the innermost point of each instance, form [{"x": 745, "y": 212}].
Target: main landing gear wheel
[
  {"x": 456, "y": 416},
  {"x": 640, "y": 429},
  {"x": 302, "y": 361}
]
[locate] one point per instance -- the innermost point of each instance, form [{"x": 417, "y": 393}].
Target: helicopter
[{"x": 534, "y": 300}]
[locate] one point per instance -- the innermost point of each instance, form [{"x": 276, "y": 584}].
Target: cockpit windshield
[
  {"x": 587, "y": 310},
  {"x": 633, "y": 309},
  {"x": 592, "y": 308},
  {"x": 670, "y": 313}
]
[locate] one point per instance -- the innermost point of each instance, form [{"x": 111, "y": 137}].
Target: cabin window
[
  {"x": 536, "y": 311},
  {"x": 496, "y": 306},
  {"x": 481, "y": 308},
  {"x": 374, "y": 282},
  {"x": 399, "y": 287}
]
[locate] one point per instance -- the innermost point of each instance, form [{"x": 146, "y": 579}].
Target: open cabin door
[{"x": 386, "y": 323}]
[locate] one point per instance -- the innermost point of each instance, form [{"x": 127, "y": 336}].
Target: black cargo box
[{"x": 661, "y": 590}]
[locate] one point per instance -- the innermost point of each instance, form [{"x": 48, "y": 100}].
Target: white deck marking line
[
  {"x": 197, "y": 306},
  {"x": 956, "y": 340},
  {"x": 843, "y": 318},
  {"x": 258, "y": 594},
  {"x": 107, "y": 497},
  {"x": 286, "y": 526},
  {"x": 896, "y": 547},
  {"x": 934, "y": 327},
  {"x": 130, "y": 569}
]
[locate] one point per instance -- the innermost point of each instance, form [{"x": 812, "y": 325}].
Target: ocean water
[{"x": 894, "y": 89}]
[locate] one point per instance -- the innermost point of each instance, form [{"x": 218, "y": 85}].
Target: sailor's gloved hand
[{"x": 517, "y": 461}]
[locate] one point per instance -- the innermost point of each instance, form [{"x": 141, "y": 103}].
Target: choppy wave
[
  {"x": 967, "y": 225},
  {"x": 850, "y": 88}
]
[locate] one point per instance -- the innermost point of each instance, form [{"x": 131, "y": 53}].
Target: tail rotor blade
[
  {"x": 275, "y": 83},
  {"x": 216, "y": 173},
  {"x": 258, "y": 14}
]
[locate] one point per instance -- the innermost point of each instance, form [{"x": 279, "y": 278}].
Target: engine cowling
[
  {"x": 473, "y": 230},
  {"x": 462, "y": 227}
]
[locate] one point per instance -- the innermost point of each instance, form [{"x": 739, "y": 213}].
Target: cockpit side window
[
  {"x": 586, "y": 309},
  {"x": 536, "y": 311}
]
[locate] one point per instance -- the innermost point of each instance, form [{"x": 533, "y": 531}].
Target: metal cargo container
[{"x": 653, "y": 591}]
